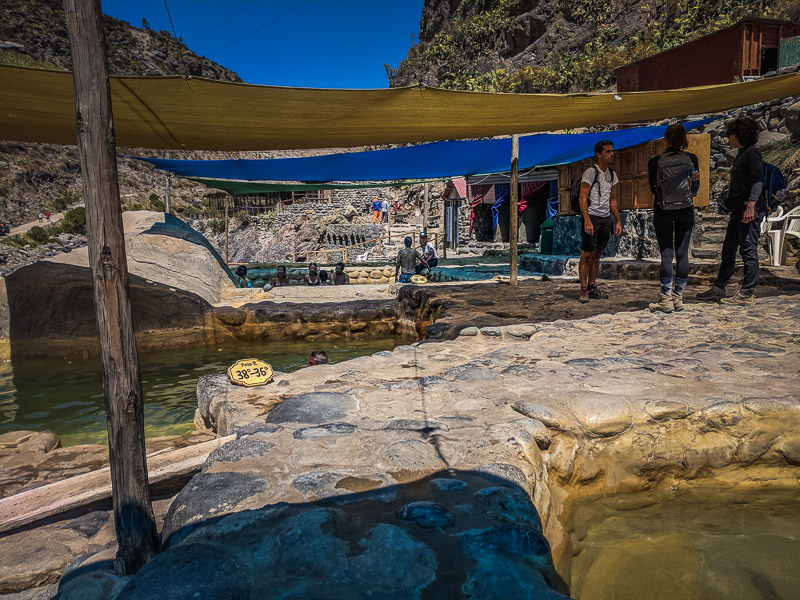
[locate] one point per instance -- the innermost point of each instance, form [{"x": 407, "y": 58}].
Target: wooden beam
[
  {"x": 513, "y": 221},
  {"x": 135, "y": 526},
  {"x": 53, "y": 499}
]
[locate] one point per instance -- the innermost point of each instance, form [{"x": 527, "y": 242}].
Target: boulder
[
  {"x": 792, "y": 119},
  {"x": 174, "y": 274}
]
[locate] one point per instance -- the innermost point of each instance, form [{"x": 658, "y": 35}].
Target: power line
[
  {"x": 224, "y": 21},
  {"x": 260, "y": 27}
]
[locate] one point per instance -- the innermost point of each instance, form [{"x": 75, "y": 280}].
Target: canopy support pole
[
  {"x": 226, "y": 230},
  {"x": 134, "y": 524},
  {"x": 167, "y": 199},
  {"x": 513, "y": 224},
  {"x": 425, "y": 210}
]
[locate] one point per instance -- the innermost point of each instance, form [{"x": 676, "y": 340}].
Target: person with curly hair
[{"x": 748, "y": 206}]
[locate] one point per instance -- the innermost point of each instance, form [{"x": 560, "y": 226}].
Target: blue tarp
[{"x": 424, "y": 161}]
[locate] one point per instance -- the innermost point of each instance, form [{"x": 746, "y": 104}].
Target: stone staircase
[{"x": 709, "y": 246}]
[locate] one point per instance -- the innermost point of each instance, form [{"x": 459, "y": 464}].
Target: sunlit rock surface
[{"x": 398, "y": 458}]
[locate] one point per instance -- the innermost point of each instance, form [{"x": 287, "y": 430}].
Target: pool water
[
  {"x": 708, "y": 544},
  {"x": 67, "y": 396}
]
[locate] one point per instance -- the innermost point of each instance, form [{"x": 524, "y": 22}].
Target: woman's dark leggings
[{"x": 673, "y": 241}]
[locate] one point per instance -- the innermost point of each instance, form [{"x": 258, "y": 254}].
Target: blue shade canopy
[{"x": 425, "y": 161}]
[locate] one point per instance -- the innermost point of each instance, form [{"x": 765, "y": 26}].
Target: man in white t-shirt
[
  {"x": 598, "y": 200},
  {"x": 428, "y": 253}
]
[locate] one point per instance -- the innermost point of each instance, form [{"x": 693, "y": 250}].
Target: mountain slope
[
  {"x": 45, "y": 178},
  {"x": 558, "y": 45}
]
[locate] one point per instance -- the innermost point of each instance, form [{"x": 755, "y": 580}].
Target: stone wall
[{"x": 638, "y": 239}]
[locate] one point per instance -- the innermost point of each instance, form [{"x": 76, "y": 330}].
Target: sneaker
[
  {"x": 584, "y": 297},
  {"x": 677, "y": 302},
  {"x": 713, "y": 293},
  {"x": 740, "y": 298},
  {"x": 664, "y": 304},
  {"x": 596, "y": 293}
]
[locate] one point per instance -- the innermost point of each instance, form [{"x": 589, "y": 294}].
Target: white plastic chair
[
  {"x": 766, "y": 226},
  {"x": 790, "y": 225},
  {"x": 362, "y": 257}
]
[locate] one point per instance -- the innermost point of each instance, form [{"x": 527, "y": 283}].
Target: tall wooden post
[
  {"x": 513, "y": 221},
  {"x": 137, "y": 538},
  {"x": 167, "y": 200},
  {"x": 226, "y": 230},
  {"x": 425, "y": 207}
]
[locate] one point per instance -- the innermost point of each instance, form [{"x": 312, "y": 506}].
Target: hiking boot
[
  {"x": 584, "y": 297},
  {"x": 740, "y": 298},
  {"x": 713, "y": 293},
  {"x": 677, "y": 302},
  {"x": 664, "y": 304},
  {"x": 595, "y": 293}
]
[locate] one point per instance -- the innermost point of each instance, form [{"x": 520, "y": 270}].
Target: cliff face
[{"x": 557, "y": 45}]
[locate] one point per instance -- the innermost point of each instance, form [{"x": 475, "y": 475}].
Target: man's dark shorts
[{"x": 601, "y": 235}]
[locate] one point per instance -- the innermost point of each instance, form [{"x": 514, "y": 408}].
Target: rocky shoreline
[{"x": 457, "y": 462}]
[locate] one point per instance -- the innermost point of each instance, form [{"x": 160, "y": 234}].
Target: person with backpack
[
  {"x": 674, "y": 180},
  {"x": 748, "y": 206},
  {"x": 597, "y": 200}
]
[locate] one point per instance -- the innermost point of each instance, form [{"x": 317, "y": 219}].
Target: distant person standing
[
  {"x": 674, "y": 180},
  {"x": 598, "y": 201},
  {"x": 47, "y": 217},
  {"x": 41, "y": 218},
  {"x": 385, "y": 211},
  {"x": 748, "y": 206},
  {"x": 428, "y": 253},
  {"x": 376, "y": 210},
  {"x": 339, "y": 276},
  {"x": 406, "y": 261}
]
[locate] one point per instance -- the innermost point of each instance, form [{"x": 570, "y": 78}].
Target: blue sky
[{"x": 304, "y": 43}]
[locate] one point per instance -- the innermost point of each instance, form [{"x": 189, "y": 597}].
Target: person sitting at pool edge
[
  {"x": 317, "y": 357},
  {"x": 241, "y": 272},
  {"x": 406, "y": 259},
  {"x": 312, "y": 278},
  {"x": 281, "y": 279},
  {"x": 429, "y": 252},
  {"x": 339, "y": 276}
]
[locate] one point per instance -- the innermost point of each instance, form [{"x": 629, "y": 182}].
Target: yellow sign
[
  {"x": 250, "y": 372},
  {"x": 419, "y": 279}
]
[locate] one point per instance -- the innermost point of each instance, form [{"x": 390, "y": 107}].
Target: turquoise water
[{"x": 67, "y": 396}]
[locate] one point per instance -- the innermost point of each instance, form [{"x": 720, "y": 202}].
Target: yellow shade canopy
[{"x": 201, "y": 114}]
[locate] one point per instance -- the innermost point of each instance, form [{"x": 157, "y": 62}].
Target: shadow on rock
[{"x": 454, "y": 534}]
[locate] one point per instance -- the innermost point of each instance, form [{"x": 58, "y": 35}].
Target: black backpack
[
  {"x": 575, "y": 200},
  {"x": 674, "y": 177}
]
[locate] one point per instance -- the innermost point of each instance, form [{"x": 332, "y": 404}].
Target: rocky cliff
[
  {"x": 557, "y": 45},
  {"x": 46, "y": 178}
]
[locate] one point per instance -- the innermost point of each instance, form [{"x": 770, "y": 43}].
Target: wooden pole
[
  {"x": 137, "y": 537},
  {"x": 513, "y": 225},
  {"x": 425, "y": 209},
  {"x": 167, "y": 200},
  {"x": 226, "y": 230},
  {"x": 444, "y": 245}
]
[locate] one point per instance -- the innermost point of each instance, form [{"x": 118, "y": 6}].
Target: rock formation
[
  {"x": 445, "y": 449},
  {"x": 175, "y": 276}
]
